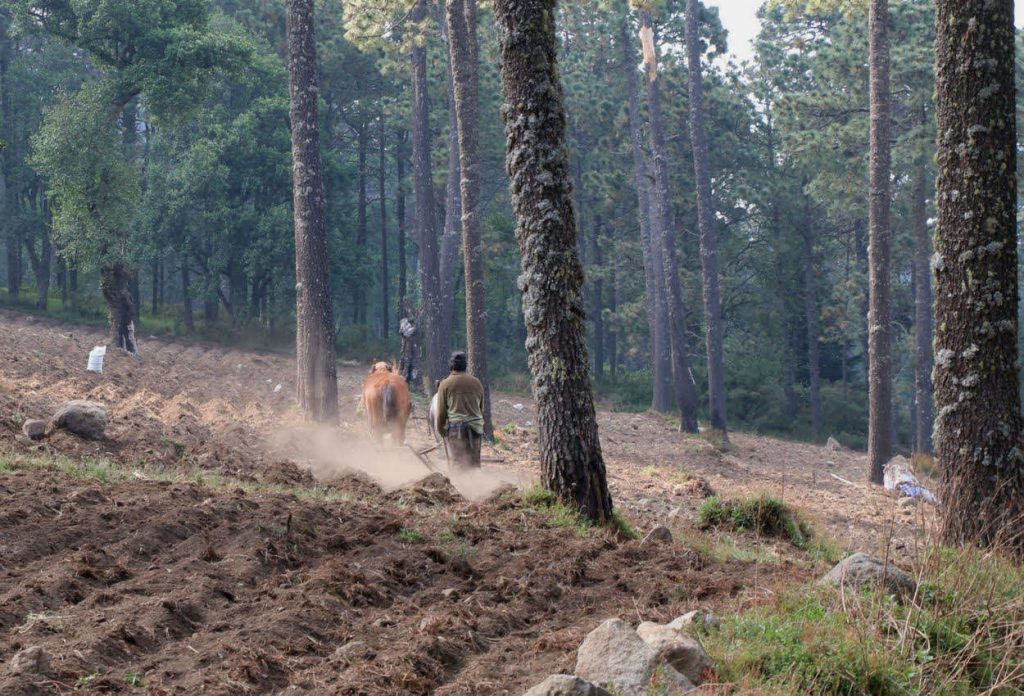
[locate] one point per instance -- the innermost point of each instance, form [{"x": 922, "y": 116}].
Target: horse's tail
[{"x": 390, "y": 403}]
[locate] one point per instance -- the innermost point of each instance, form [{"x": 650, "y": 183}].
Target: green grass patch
[
  {"x": 408, "y": 535},
  {"x": 558, "y": 514},
  {"x": 762, "y": 514},
  {"x": 963, "y": 633}
]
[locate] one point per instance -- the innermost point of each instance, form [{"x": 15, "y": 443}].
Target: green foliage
[
  {"x": 410, "y": 536},
  {"x": 762, "y": 514},
  {"x": 961, "y": 634}
]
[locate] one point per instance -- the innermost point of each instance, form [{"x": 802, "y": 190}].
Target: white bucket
[{"x": 96, "y": 359}]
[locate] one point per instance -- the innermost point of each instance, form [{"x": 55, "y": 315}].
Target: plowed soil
[{"x": 213, "y": 543}]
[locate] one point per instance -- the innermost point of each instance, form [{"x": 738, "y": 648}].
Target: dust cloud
[{"x": 332, "y": 453}]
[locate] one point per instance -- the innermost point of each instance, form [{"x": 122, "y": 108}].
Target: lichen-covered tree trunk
[
  {"x": 706, "y": 224},
  {"x": 923, "y": 301},
  {"x": 426, "y": 216},
  {"x": 657, "y": 310},
  {"x": 551, "y": 282},
  {"x": 978, "y": 426},
  {"x": 879, "y": 249},
  {"x": 114, "y": 286},
  {"x": 465, "y": 57},
  {"x": 664, "y": 230},
  {"x": 317, "y": 383}
]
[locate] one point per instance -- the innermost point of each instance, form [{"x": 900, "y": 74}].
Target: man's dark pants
[{"x": 463, "y": 446}]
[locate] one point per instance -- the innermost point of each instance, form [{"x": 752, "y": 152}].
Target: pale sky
[{"x": 739, "y": 17}]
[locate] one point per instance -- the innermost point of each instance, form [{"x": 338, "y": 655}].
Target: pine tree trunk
[
  {"x": 664, "y": 230},
  {"x": 465, "y": 59},
  {"x": 403, "y": 279},
  {"x": 923, "y": 301},
  {"x": 706, "y": 224},
  {"x": 115, "y": 283},
  {"x": 657, "y": 309},
  {"x": 978, "y": 427},
  {"x": 551, "y": 282},
  {"x": 7, "y": 199},
  {"x": 597, "y": 301},
  {"x": 186, "y": 297},
  {"x": 382, "y": 187},
  {"x": 43, "y": 273},
  {"x": 811, "y": 310},
  {"x": 316, "y": 384},
  {"x": 358, "y": 293},
  {"x": 426, "y": 220},
  {"x": 879, "y": 250},
  {"x": 155, "y": 289},
  {"x": 451, "y": 235}
]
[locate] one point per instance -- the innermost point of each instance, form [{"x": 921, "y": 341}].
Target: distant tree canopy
[{"x": 153, "y": 135}]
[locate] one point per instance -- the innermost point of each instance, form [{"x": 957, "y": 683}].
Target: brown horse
[{"x": 387, "y": 403}]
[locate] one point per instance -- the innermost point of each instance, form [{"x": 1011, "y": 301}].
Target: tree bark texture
[
  {"x": 664, "y": 230},
  {"x": 114, "y": 285},
  {"x": 923, "y": 307},
  {"x": 382, "y": 187},
  {"x": 465, "y": 60},
  {"x": 403, "y": 281},
  {"x": 357, "y": 289},
  {"x": 552, "y": 278},
  {"x": 657, "y": 309},
  {"x": 811, "y": 312},
  {"x": 433, "y": 340},
  {"x": 978, "y": 426},
  {"x": 706, "y": 224},
  {"x": 316, "y": 383},
  {"x": 879, "y": 249}
]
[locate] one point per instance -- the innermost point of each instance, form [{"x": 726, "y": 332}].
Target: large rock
[
  {"x": 660, "y": 534},
  {"x": 86, "y": 419},
  {"x": 832, "y": 445},
  {"x": 615, "y": 657},
  {"x": 566, "y": 685},
  {"x": 861, "y": 569},
  {"x": 34, "y": 429},
  {"x": 32, "y": 660},
  {"x": 677, "y": 649}
]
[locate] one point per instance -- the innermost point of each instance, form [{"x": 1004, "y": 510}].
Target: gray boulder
[
  {"x": 615, "y": 657},
  {"x": 677, "y": 649},
  {"x": 31, "y": 660},
  {"x": 86, "y": 419},
  {"x": 566, "y": 685},
  {"x": 697, "y": 616},
  {"x": 861, "y": 569},
  {"x": 34, "y": 429}
]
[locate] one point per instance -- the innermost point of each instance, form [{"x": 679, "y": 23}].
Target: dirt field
[{"x": 232, "y": 550}]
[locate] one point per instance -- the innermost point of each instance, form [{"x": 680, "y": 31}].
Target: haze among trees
[{"x": 739, "y": 246}]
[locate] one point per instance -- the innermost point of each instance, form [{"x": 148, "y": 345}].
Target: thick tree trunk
[
  {"x": 978, "y": 428},
  {"x": 657, "y": 309},
  {"x": 810, "y": 262},
  {"x": 426, "y": 219},
  {"x": 7, "y": 198},
  {"x": 879, "y": 250},
  {"x": 317, "y": 383},
  {"x": 114, "y": 285},
  {"x": 664, "y": 230},
  {"x": 382, "y": 187},
  {"x": 706, "y": 224},
  {"x": 538, "y": 163},
  {"x": 465, "y": 58},
  {"x": 186, "y": 297},
  {"x": 923, "y": 301},
  {"x": 358, "y": 291},
  {"x": 403, "y": 281}
]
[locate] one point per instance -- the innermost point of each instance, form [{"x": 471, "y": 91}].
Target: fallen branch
[{"x": 840, "y": 478}]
